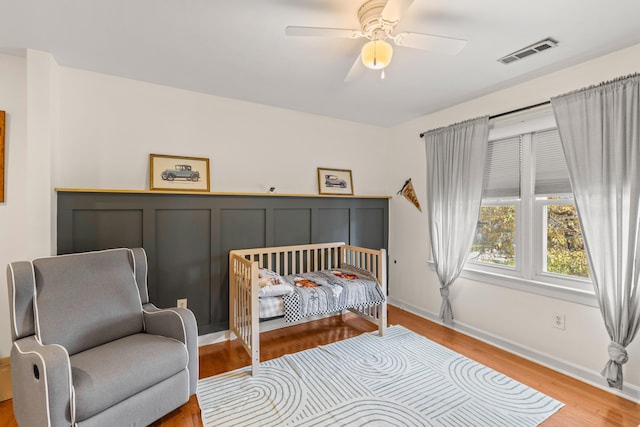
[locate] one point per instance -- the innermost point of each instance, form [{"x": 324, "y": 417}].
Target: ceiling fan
[{"x": 378, "y": 19}]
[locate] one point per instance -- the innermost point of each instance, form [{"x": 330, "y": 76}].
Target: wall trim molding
[
  {"x": 213, "y": 338},
  {"x": 630, "y": 392},
  {"x": 212, "y": 193},
  {"x": 205, "y": 227}
]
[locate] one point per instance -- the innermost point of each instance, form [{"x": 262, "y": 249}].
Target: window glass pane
[
  {"x": 565, "y": 246},
  {"x": 494, "y": 242},
  {"x": 502, "y": 168}
]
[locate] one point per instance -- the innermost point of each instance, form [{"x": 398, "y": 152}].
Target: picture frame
[
  {"x": 335, "y": 181},
  {"x": 178, "y": 173},
  {"x": 2, "y": 132}
]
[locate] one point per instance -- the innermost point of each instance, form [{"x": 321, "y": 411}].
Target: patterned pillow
[{"x": 270, "y": 284}]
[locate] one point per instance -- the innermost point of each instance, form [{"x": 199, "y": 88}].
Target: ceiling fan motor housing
[{"x": 371, "y": 22}]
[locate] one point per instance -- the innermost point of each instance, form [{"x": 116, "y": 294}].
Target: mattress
[{"x": 270, "y": 307}]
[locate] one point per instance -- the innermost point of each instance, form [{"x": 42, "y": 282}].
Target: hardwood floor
[{"x": 584, "y": 405}]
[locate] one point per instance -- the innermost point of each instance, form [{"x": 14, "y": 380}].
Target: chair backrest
[
  {"x": 140, "y": 268},
  {"x": 22, "y": 288},
  {"x": 80, "y": 300}
]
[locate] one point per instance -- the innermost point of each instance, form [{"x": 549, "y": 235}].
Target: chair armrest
[
  {"x": 41, "y": 378},
  {"x": 180, "y": 324}
]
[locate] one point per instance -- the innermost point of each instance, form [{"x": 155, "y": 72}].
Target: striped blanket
[{"x": 328, "y": 291}]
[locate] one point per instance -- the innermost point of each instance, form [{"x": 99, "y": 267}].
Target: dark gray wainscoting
[{"x": 188, "y": 237}]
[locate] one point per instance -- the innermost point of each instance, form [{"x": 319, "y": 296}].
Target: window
[
  {"x": 528, "y": 226},
  {"x": 495, "y": 239}
]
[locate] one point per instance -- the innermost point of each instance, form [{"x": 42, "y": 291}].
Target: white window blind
[
  {"x": 502, "y": 169},
  {"x": 552, "y": 174}
]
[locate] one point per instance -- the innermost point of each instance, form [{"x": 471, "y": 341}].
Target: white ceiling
[{"x": 238, "y": 48}]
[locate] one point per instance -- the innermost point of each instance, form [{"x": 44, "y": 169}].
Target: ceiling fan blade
[
  {"x": 323, "y": 32},
  {"x": 356, "y": 70},
  {"x": 438, "y": 44},
  {"x": 394, "y": 9}
]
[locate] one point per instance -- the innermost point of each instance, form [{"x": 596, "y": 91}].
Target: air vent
[{"x": 545, "y": 44}]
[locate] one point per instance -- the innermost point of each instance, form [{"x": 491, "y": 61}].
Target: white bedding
[{"x": 271, "y": 307}]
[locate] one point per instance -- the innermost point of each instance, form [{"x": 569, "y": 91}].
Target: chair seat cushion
[{"x": 110, "y": 373}]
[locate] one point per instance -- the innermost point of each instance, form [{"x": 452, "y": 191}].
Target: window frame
[
  {"x": 581, "y": 283},
  {"x": 529, "y": 234}
]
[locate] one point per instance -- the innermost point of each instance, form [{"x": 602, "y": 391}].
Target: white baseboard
[
  {"x": 630, "y": 392},
  {"x": 213, "y": 338}
]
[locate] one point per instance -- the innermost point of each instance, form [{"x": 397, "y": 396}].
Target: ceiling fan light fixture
[{"x": 376, "y": 54}]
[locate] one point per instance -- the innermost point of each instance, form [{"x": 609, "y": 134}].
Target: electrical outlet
[
  {"x": 182, "y": 303},
  {"x": 558, "y": 320}
]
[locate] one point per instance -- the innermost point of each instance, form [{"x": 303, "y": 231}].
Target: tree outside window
[
  {"x": 494, "y": 241},
  {"x": 565, "y": 246}
]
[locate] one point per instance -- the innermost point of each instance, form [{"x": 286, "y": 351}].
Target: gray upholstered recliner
[{"x": 88, "y": 347}]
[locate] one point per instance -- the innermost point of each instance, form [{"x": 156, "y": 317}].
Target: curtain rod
[{"x": 517, "y": 110}]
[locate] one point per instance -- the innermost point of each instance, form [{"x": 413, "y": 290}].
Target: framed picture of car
[
  {"x": 335, "y": 181},
  {"x": 178, "y": 173}
]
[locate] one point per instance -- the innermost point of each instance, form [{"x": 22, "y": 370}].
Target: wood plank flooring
[{"x": 584, "y": 405}]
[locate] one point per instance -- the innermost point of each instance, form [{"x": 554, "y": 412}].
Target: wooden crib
[{"x": 286, "y": 260}]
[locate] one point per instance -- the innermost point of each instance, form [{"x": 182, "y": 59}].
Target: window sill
[{"x": 532, "y": 286}]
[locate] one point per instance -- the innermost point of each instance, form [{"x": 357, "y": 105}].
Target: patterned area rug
[{"x": 401, "y": 379}]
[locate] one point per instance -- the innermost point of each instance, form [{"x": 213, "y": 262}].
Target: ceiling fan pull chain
[{"x": 375, "y": 55}]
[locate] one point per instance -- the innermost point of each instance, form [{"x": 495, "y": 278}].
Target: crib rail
[
  {"x": 373, "y": 261},
  {"x": 297, "y": 259}
]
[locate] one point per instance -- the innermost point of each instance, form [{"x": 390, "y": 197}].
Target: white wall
[
  {"x": 13, "y": 226},
  {"x": 28, "y": 94},
  {"x": 42, "y": 138},
  {"x": 110, "y": 125},
  {"x": 509, "y": 316}
]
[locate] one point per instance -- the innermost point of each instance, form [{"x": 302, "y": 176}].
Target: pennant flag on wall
[{"x": 410, "y": 194}]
